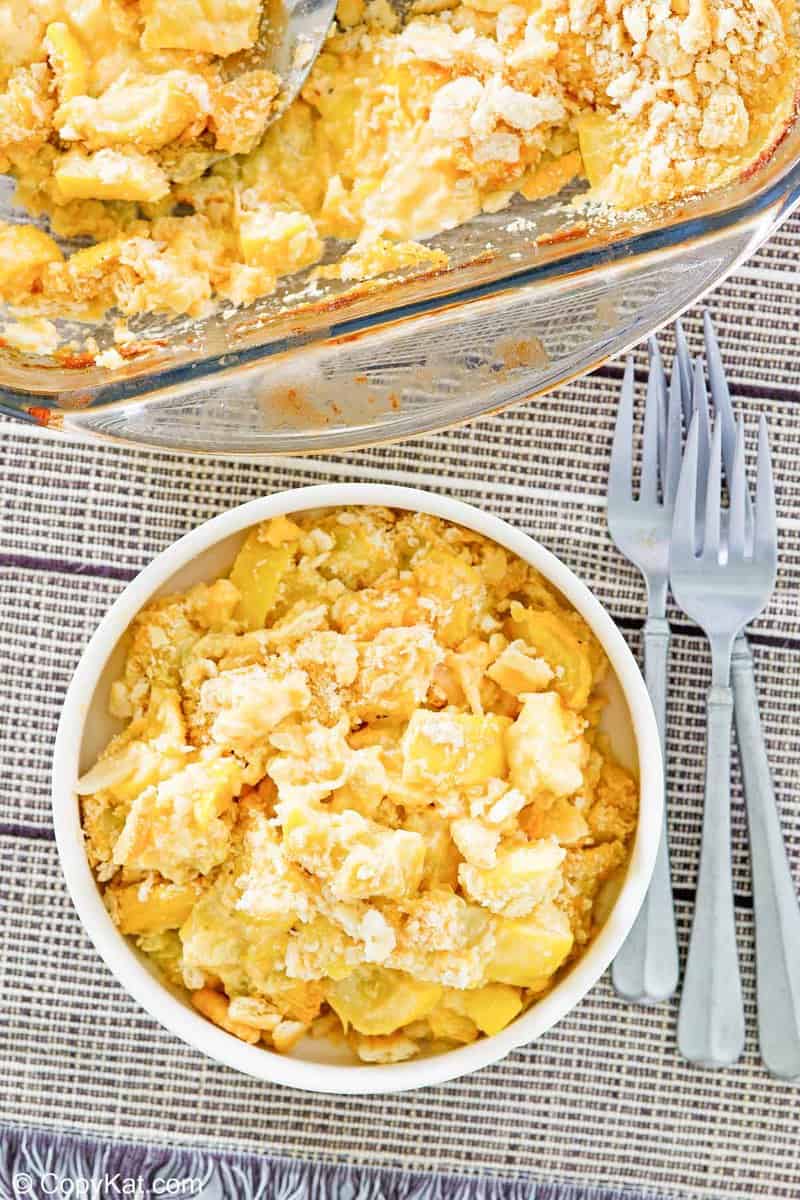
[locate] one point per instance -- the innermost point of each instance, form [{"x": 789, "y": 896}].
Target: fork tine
[
  {"x": 700, "y": 406},
  {"x": 713, "y": 497},
  {"x": 684, "y": 361},
  {"x": 721, "y": 397},
  {"x": 720, "y": 394},
  {"x": 650, "y": 441},
  {"x": 620, "y": 474},
  {"x": 700, "y": 409},
  {"x": 672, "y": 464},
  {"x": 718, "y": 383},
  {"x": 685, "y": 515},
  {"x": 765, "y": 541},
  {"x": 737, "y": 490},
  {"x": 659, "y": 375}
]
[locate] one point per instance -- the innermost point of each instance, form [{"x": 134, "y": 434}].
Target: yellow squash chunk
[
  {"x": 279, "y": 530},
  {"x": 451, "y": 1024},
  {"x": 375, "y": 1000},
  {"x": 165, "y": 950},
  {"x": 599, "y": 138},
  {"x": 357, "y": 857},
  {"x": 24, "y": 253},
  {"x": 109, "y": 175},
  {"x": 222, "y": 783},
  {"x": 460, "y": 749},
  {"x": 67, "y": 61},
  {"x": 219, "y": 939},
  {"x": 155, "y": 910},
  {"x": 129, "y": 767},
  {"x": 546, "y": 748},
  {"x": 208, "y": 26},
  {"x": 522, "y": 877},
  {"x": 257, "y": 573},
  {"x": 92, "y": 259},
  {"x": 555, "y": 640},
  {"x": 358, "y": 556},
  {"x": 125, "y": 774},
  {"x": 518, "y": 673},
  {"x": 457, "y": 590},
  {"x": 530, "y": 949},
  {"x": 606, "y": 149},
  {"x": 493, "y": 1006},
  {"x": 147, "y": 115},
  {"x": 281, "y": 241},
  {"x": 177, "y": 828},
  {"x": 338, "y": 102},
  {"x": 288, "y": 157}
]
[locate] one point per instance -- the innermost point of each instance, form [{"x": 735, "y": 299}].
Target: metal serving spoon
[{"x": 291, "y": 35}]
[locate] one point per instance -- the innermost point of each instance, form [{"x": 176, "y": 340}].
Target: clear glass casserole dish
[{"x": 533, "y": 296}]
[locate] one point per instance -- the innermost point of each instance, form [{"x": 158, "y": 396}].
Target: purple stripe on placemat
[
  {"x": 66, "y": 566},
  {"x": 38, "y": 1163},
  {"x": 18, "y": 829}
]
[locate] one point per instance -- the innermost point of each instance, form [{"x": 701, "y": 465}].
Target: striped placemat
[{"x": 601, "y": 1107}]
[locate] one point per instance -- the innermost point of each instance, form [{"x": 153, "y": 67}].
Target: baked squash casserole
[
  {"x": 361, "y": 791},
  {"x": 121, "y": 124}
]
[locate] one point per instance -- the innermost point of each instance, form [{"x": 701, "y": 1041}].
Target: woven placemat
[{"x": 603, "y": 1101}]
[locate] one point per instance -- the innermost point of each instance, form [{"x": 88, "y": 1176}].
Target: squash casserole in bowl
[
  {"x": 361, "y": 792},
  {"x": 121, "y": 125}
]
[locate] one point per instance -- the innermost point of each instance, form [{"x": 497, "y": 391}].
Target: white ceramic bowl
[{"x": 85, "y": 727}]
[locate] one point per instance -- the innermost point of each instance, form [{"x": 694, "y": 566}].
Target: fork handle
[
  {"x": 646, "y": 968},
  {"x": 711, "y": 1021},
  {"x": 777, "y": 916}
]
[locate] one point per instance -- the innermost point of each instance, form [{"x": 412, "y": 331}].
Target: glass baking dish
[{"x": 533, "y": 296}]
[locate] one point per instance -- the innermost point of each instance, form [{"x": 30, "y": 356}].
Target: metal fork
[
  {"x": 646, "y": 968},
  {"x": 775, "y": 904},
  {"x": 721, "y": 588}
]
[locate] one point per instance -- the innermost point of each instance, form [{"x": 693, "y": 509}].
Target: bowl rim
[{"x": 173, "y": 1013}]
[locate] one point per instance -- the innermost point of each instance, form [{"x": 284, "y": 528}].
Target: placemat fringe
[{"x": 40, "y": 1162}]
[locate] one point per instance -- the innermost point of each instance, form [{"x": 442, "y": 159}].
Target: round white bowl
[{"x": 85, "y": 727}]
